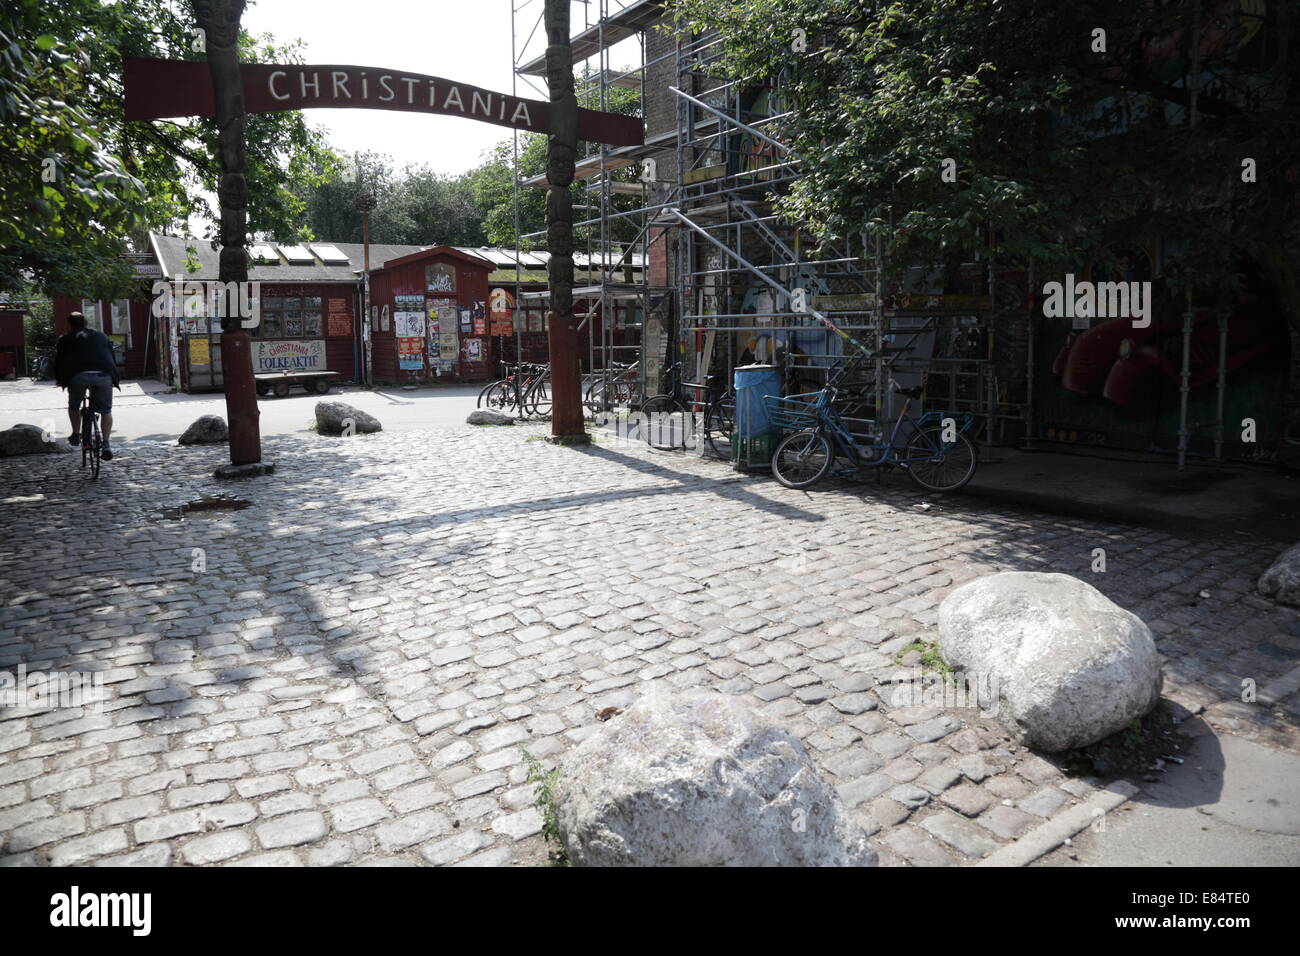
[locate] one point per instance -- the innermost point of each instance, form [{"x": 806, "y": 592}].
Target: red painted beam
[{"x": 159, "y": 89}]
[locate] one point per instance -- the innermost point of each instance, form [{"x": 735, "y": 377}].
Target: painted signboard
[
  {"x": 500, "y": 312},
  {"x": 270, "y": 355},
  {"x": 158, "y": 89},
  {"x": 340, "y": 318}
]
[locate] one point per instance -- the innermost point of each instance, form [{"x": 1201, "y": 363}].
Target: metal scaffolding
[
  {"x": 751, "y": 288},
  {"x": 617, "y": 297}
]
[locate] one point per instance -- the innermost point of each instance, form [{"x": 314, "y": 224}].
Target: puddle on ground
[{"x": 205, "y": 505}]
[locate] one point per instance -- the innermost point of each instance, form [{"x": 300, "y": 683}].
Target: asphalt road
[{"x": 146, "y": 411}]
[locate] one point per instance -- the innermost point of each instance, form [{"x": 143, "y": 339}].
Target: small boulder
[
  {"x": 700, "y": 780},
  {"x": 29, "y": 440},
  {"x": 1067, "y": 666},
  {"x": 486, "y": 416},
  {"x": 332, "y": 419},
  {"x": 206, "y": 430},
  {"x": 1281, "y": 581}
]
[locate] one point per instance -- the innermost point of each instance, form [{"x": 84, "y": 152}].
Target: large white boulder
[
  {"x": 1281, "y": 581},
  {"x": 1066, "y": 664},
  {"x": 206, "y": 430},
  {"x": 700, "y": 780},
  {"x": 336, "y": 418},
  {"x": 29, "y": 440}
]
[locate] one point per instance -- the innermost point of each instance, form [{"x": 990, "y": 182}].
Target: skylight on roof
[
  {"x": 296, "y": 253},
  {"x": 263, "y": 253},
  {"x": 328, "y": 253}
]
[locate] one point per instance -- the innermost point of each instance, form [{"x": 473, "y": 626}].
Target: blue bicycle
[{"x": 932, "y": 449}]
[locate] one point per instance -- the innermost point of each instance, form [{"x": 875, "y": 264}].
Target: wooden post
[
  {"x": 220, "y": 22},
  {"x": 562, "y": 144}
]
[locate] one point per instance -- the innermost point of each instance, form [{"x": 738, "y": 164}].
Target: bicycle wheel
[
  {"x": 719, "y": 423},
  {"x": 538, "y": 398},
  {"x": 802, "y": 459},
  {"x": 95, "y": 446},
  {"x": 664, "y": 423},
  {"x": 937, "y": 465},
  {"x": 484, "y": 392},
  {"x": 499, "y": 396}
]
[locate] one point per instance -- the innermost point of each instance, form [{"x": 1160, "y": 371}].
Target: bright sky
[{"x": 463, "y": 40}]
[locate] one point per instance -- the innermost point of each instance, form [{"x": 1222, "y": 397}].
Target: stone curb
[{"x": 1052, "y": 833}]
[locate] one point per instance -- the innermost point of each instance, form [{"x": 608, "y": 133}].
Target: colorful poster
[
  {"x": 409, "y": 325},
  {"x": 200, "y": 350},
  {"x": 466, "y": 320},
  {"x": 410, "y": 351},
  {"x": 434, "y": 328},
  {"x": 444, "y": 308},
  {"x": 472, "y": 350},
  {"x": 270, "y": 355},
  {"x": 440, "y": 277}
]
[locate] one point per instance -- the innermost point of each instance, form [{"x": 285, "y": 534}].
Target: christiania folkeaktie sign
[{"x": 160, "y": 89}]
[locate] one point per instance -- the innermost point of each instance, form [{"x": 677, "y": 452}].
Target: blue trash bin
[{"x": 756, "y": 436}]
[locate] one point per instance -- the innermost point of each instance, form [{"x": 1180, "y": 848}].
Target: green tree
[
  {"x": 61, "y": 104},
  {"x": 493, "y": 178},
  {"x": 1058, "y": 145}
]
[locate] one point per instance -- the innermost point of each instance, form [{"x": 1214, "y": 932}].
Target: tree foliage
[
  {"x": 1060, "y": 147},
  {"x": 61, "y": 100}
]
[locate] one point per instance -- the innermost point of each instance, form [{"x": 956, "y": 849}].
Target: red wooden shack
[{"x": 429, "y": 317}]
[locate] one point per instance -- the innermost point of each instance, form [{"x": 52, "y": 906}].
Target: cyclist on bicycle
[{"x": 83, "y": 359}]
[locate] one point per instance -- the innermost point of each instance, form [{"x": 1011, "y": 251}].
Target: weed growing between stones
[
  {"x": 545, "y": 804},
  {"x": 930, "y": 658}
]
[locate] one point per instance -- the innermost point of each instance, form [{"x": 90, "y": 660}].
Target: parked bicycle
[
  {"x": 525, "y": 390},
  {"x": 934, "y": 449},
  {"x": 43, "y": 365},
  {"x": 92, "y": 445},
  {"x": 614, "y": 386},
  {"x": 688, "y": 413}
]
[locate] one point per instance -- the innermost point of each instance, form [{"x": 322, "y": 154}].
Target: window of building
[{"x": 291, "y": 316}]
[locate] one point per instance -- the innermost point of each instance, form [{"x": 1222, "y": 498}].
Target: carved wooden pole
[
  {"x": 220, "y": 22},
  {"x": 566, "y": 373}
]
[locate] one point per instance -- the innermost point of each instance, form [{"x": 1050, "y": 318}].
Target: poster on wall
[
  {"x": 466, "y": 320},
  {"x": 449, "y": 346},
  {"x": 340, "y": 318},
  {"x": 444, "y": 309},
  {"x": 410, "y": 352},
  {"x": 383, "y": 319},
  {"x": 440, "y": 277},
  {"x": 479, "y": 313},
  {"x": 270, "y": 355},
  {"x": 409, "y": 325},
  {"x": 472, "y": 350},
  {"x": 200, "y": 350}
]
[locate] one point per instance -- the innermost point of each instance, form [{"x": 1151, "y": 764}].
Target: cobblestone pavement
[{"x": 352, "y": 675}]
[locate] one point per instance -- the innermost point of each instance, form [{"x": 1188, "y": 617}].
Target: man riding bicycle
[{"x": 83, "y": 359}]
